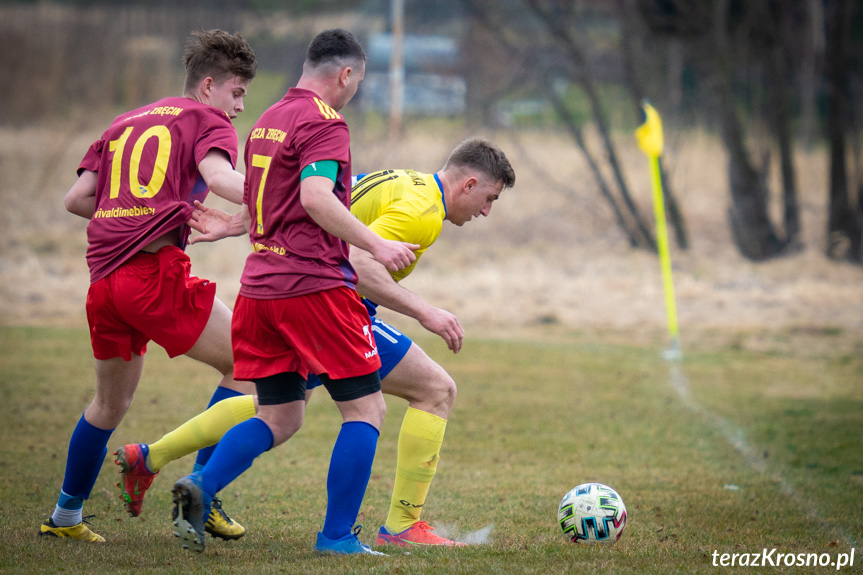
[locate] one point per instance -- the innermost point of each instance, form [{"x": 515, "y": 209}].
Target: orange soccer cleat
[
  {"x": 136, "y": 477},
  {"x": 419, "y": 534}
]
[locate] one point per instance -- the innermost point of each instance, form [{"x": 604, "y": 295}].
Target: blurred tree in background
[{"x": 768, "y": 76}]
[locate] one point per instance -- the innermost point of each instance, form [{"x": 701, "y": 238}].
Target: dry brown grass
[{"x": 550, "y": 255}]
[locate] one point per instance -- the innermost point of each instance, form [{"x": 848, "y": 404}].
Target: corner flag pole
[{"x": 650, "y": 140}]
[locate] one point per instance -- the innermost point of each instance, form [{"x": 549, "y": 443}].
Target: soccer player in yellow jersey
[{"x": 411, "y": 207}]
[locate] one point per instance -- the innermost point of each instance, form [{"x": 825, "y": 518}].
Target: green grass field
[{"x": 732, "y": 452}]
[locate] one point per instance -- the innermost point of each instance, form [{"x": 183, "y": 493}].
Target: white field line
[{"x": 753, "y": 457}]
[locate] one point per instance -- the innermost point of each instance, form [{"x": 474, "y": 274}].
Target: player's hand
[
  {"x": 446, "y": 325},
  {"x": 395, "y": 255},
  {"x": 214, "y": 224}
]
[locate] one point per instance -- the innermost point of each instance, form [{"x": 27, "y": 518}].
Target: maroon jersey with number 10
[
  {"x": 147, "y": 162},
  {"x": 292, "y": 255}
]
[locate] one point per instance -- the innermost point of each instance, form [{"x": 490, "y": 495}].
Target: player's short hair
[
  {"x": 485, "y": 157},
  {"x": 335, "y": 46},
  {"x": 219, "y": 55}
]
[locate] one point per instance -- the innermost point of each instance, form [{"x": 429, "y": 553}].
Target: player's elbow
[
  {"x": 69, "y": 203},
  {"x": 316, "y": 193},
  {"x": 81, "y": 197},
  {"x": 75, "y": 204},
  {"x": 314, "y": 205}
]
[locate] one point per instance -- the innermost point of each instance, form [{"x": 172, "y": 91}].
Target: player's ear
[
  {"x": 345, "y": 76},
  {"x": 470, "y": 184}
]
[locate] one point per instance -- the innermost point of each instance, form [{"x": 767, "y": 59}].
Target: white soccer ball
[{"x": 592, "y": 513}]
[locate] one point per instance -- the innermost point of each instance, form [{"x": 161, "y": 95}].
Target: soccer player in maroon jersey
[
  {"x": 137, "y": 185},
  {"x": 298, "y": 311}
]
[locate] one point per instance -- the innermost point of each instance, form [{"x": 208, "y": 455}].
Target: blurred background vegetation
[{"x": 768, "y": 77}]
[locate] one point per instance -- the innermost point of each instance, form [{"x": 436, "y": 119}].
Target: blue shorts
[{"x": 392, "y": 347}]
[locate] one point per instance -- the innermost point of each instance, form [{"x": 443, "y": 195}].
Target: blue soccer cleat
[
  {"x": 347, "y": 545},
  {"x": 191, "y": 510}
]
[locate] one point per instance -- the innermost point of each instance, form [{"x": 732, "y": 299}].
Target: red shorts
[
  {"x": 149, "y": 297},
  {"x": 322, "y": 332}
]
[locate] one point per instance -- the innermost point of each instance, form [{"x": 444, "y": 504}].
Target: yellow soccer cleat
[
  {"x": 220, "y": 525},
  {"x": 80, "y": 532}
]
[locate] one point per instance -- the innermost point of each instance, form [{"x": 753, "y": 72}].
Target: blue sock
[
  {"x": 235, "y": 453},
  {"x": 205, "y": 454},
  {"x": 69, "y": 502},
  {"x": 350, "y": 469},
  {"x": 87, "y": 451}
]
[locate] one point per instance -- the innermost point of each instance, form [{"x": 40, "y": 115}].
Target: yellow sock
[
  {"x": 420, "y": 441},
  {"x": 201, "y": 431}
]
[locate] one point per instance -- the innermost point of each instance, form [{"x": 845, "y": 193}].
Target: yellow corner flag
[
  {"x": 649, "y": 134},
  {"x": 650, "y": 140}
]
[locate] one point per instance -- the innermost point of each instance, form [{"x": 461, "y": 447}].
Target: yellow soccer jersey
[{"x": 401, "y": 205}]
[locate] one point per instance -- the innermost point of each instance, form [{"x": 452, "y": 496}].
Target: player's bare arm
[
  {"x": 215, "y": 224},
  {"x": 81, "y": 197},
  {"x": 378, "y": 285},
  {"x": 316, "y": 195},
  {"x": 221, "y": 177}
]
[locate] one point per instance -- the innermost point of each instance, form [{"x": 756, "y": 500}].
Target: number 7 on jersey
[{"x": 263, "y": 162}]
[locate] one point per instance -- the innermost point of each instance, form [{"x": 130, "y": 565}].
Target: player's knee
[
  {"x": 240, "y": 386},
  {"x": 359, "y": 398},
  {"x": 377, "y": 411},
  {"x": 225, "y": 366},
  {"x": 443, "y": 392},
  {"x": 283, "y": 428},
  {"x": 107, "y": 413},
  {"x": 222, "y": 363},
  {"x": 371, "y": 410},
  {"x": 281, "y": 404}
]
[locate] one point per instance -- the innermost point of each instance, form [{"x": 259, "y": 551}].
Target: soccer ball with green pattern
[{"x": 592, "y": 513}]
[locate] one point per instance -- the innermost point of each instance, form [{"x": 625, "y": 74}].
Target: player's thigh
[
  {"x": 391, "y": 343},
  {"x": 214, "y": 344},
  {"x": 420, "y": 380}
]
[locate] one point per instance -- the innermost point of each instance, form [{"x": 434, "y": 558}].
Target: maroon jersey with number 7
[{"x": 292, "y": 255}]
